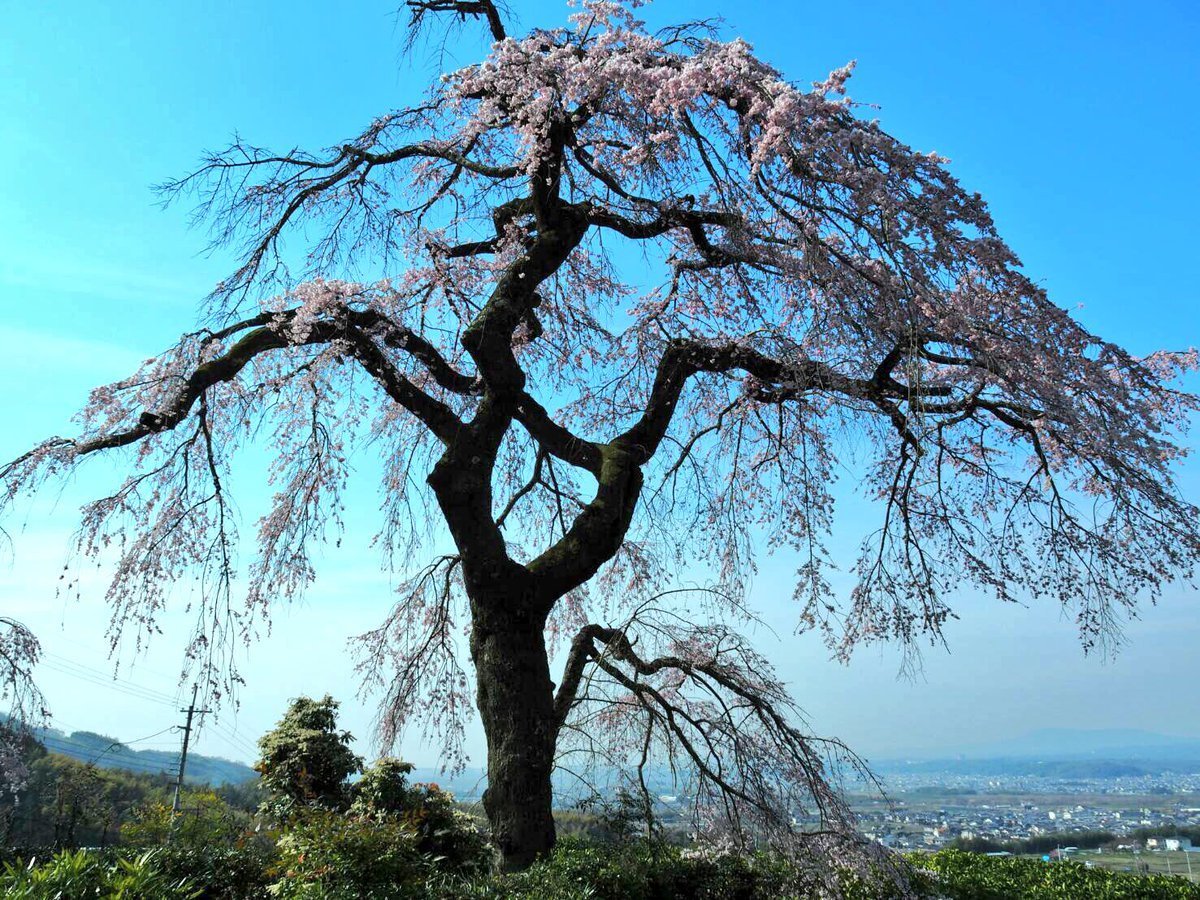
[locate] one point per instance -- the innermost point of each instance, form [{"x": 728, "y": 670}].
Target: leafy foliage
[
  {"x": 442, "y": 831},
  {"x": 239, "y": 871},
  {"x": 383, "y": 788},
  {"x": 206, "y": 819},
  {"x": 65, "y": 803},
  {"x": 305, "y": 760},
  {"x": 969, "y": 876},
  {"x": 643, "y": 870},
  {"x": 80, "y": 873},
  {"x": 324, "y": 854},
  {"x": 336, "y": 857}
]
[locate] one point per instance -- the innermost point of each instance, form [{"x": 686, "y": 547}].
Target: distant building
[{"x": 1173, "y": 844}]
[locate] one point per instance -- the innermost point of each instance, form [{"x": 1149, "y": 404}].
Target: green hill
[{"x": 88, "y": 746}]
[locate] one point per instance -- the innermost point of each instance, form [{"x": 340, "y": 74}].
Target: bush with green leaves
[
  {"x": 969, "y": 876},
  {"x": 337, "y": 857},
  {"x": 205, "y": 819},
  {"x": 652, "y": 870},
  {"x": 241, "y": 871},
  {"x": 210, "y": 843},
  {"x": 331, "y": 856},
  {"x": 76, "y": 874},
  {"x": 305, "y": 761},
  {"x": 383, "y": 788},
  {"x": 641, "y": 870},
  {"x": 441, "y": 829}
]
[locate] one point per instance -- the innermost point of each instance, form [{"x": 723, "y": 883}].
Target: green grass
[{"x": 1161, "y": 863}]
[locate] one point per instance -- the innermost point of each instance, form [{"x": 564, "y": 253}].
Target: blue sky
[{"x": 1078, "y": 121}]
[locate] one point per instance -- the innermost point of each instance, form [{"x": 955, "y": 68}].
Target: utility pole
[{"x": 187, "y": 735}]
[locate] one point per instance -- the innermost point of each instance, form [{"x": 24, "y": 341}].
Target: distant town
[{"x": 924, "y": 813}]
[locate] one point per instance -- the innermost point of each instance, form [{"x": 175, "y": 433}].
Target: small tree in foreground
[
  {"x": 305, "y": 761},
  {"x": 641, "y": 288}
]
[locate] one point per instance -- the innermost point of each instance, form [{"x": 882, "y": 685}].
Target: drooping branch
[
  {"x": 19, "y": 654},
  {"x": 260, "y": 338},
  {"x": 684, "y": 358},
  {"x": 700, "y": 697},
  {"x": 600, "y": 528},
  {"x": 245, "y": 187},
  {"x": 414, "y": 658},
  {"x": 21, "y": 701}
]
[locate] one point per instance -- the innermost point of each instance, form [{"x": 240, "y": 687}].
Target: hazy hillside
[
  {"x": 88, "y": 746},
  {"x": 1062, "y": 753},
  {"x": 1076, "y": 743}
]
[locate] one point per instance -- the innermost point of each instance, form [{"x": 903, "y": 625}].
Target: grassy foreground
[{"x": 578, "y": 870}]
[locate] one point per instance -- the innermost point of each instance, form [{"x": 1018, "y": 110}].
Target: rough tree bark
[{"x": 515, "y": 697}]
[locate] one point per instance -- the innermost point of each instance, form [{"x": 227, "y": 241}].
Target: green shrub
[
  {"x": 969, "y": 876},
  {"x": 650, "y": 870},
  {"x": 83, "y": 873},
  {"x": 239, "y": 871},
  {"x": 304, "y": 760},
  {"x": 327, "y": 855},
  {"x": 338, "y": 857},
  {"x": 206, "y": 820},
  {"x": 211, "y": 845},
  {"x": 443, "y": 832}
]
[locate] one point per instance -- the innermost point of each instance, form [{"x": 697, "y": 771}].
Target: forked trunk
[{"x": 516, "y": 703}]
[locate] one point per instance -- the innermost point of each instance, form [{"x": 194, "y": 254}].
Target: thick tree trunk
[{"x": 516, "y": 703}]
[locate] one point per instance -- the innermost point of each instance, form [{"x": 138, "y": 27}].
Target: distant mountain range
[
  {"x": 1071, "y": 743},
  {"x": 1062, "y": 752},
  {"x": 87, "y": 746},
  {"x": 1075, "y": 743}
]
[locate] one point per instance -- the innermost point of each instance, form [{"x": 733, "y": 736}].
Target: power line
[
  {"x": 90, "y": 647},
  {"x": 88, "y": 673},
  {"x": 111, "y": 674},
  {"x": 229, "y": 743},
  {"x": 111, "y": 677},
  {"x": 85, "y": 748},
  {"x": 137, "y": 691},
  {"x": 66, "y": 743},
  {"x": 149, "y": 736},
  {"x": 111, "y": 685},
  {"x": 232, "y": 738}
]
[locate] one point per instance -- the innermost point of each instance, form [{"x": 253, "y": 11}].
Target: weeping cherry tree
[{"x": 644, "y": 293}]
